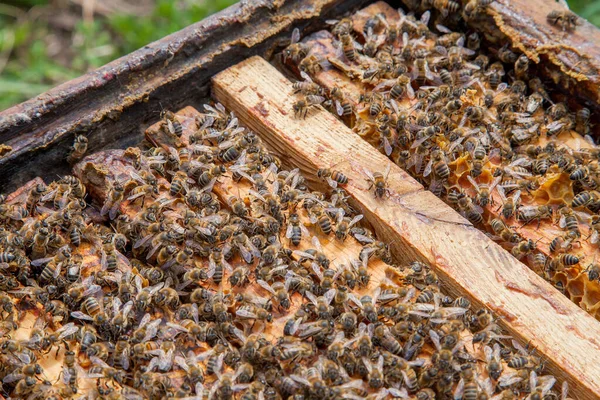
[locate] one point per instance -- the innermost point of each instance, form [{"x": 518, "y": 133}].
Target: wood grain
[{"x": 420, "y": 226}]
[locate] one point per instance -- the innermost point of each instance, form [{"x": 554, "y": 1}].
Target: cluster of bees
[
  {"x": 473, "y": 123},
  {"x": 171, "y": 285}
]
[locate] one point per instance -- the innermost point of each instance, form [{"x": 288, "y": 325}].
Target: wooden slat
[
  {"x": 582, "y": 291},
  {"x": 419, "y": 225}
]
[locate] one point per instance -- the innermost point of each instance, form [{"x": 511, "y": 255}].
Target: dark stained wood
[{"x": 110, "y": 104}]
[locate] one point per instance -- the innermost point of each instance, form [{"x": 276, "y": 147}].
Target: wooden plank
[
  {"x": 580, "y": 289},
  {"x": 421, "y": 226}
]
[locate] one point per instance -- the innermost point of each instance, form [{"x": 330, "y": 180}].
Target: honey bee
[
  {"x": 170, "y": 124},
  {"x": 468, "y": 209},
  {"x": 484, "y": 191},
  {"x": 523, "y": 248},
  {"x": 332, "y": 177},
  {"x": 509, "y": 205},
  {"x": 113, "y": 201},
  {"x": 295, "y": 229},
  {"x": 566, "y": 19},
  {"x": 296, "y": 51},
  {"x": 531, "y": 213},
  {"x": 503, "y": 231},
  {"x": 78, "y": 150},
  {"x": 344, "y": 225},
  {"x": 302, "y": 106},
  {"x": 343, "y": 106},
  {"x": 348, "y": 46},
  {"x": 311, "y": 64},
  {"x": 378, "y": 181}
]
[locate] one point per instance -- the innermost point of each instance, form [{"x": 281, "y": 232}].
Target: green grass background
[{"x": 35, "y": 55}]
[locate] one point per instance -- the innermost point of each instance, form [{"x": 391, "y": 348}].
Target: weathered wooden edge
[
  {"x": 109, "y": 104},
  {"x": 421, "y": 226}
]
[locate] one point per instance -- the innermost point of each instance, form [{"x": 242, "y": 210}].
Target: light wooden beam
[{"x": 419, "y": 225}]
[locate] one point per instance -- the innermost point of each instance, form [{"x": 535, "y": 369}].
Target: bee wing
[
  {"x": 265, "y": 286},
  {"x": 401, "y": 393},
  {"x": 564, "y": 390},
  {"x": 13, "y": 377},
  {"x": 329, "y": 295},
  {"x": 92, "y": 289},
  {"x": 303, "y": 254},
  {"x": 427, "y": 169},
  {"x": 473, "y": 182},
  {"x": 502, "y": 193},
  {"x": 180, "y": 361},
  {"x": 458, "y": 392},
  {"x": 80, "y": 315},
  {"x": 442, "y": 28},
  {"x": 209, "y": 186},
  {"x": 425, "y": 17},
  {"x": 352, "y": 297},
  {"x": 289, "y": 232},
  {"x": 40, "y": 261},
  {"x": 244, "y": 313},
  {"x": 387, "y": 146},
  {"x": 156, "y": 287},
  {"x": 145, "y": 319},
  {"x": 246, "y": 255},
  {"x": 594, "y": 236},
  {"x": 312, "y": 297},
  {"x": 363, "y": 238},
  {"x": 516, "y": 196},
  {"x": 315, "y": 242},
  {"x": 295, "y": 36},
  {"x": 67, "y": 330},
  {"x": 112, "y": 214}
]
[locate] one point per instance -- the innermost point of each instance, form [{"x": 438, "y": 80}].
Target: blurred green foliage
[
  {"x": 28, "y": 65},
  {"x": 588, "y": 9}
]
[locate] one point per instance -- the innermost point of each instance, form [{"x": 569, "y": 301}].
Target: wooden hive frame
[
  {"x": 418, "y": 224},
  {"x": 128, "y": 92}
]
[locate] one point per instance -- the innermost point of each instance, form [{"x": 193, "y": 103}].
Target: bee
[
  {"x": 34, "y": 197},
  {"x": 523, "y": 248},
  {"x": 566, "y": 19},
  {"x": 343, "y": 106},
  {"x": 344, "y": 225},
  {"x": 307, "y": 86},
  {"x": 311, "y": 64},
  {"x": 239, "y": 277},
  {"x": 113, "y": 201},
  {"x": 509, "y": 205},
  {"x": 503, "y": 231},
  {"x": 40, "y": 243},
  {"x": 484, "y": 191},
  {"x": 348, "y": 47},
  {"x": 421, "y": 71},
  {"x": 332, "y": 177},
  {"x": 584, "y": 199},
  {"x": 302, "y": 106},
  {"x": 78, "y": 150},
  {"x": 468, "y": 209},
  {"x": 593, "y": 272},
  {"x": 295, "y": 229},
  {"x": 582, "y": 121},
  {"x": 531, "y": 213},
  {"x": 170, "y": 124},
  {"x": 207, "y": 179},
  {"x": 446, "y": 7},
  {"x": 296, "y": 51},
  {"x": 378, "y": 181}
]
